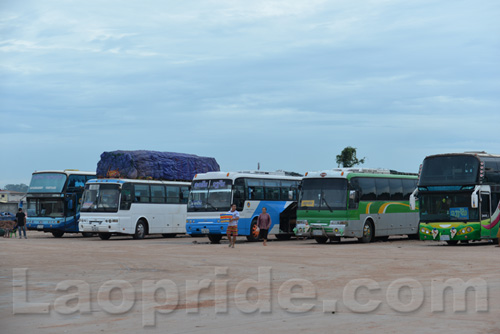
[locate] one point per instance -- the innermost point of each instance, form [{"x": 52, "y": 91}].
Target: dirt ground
[{"x": 186, "y": 285}]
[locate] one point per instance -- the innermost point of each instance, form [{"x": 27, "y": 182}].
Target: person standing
[
  {"x": 21, "y": 223},
  {"x": 264, "y": 223},
  {"x": 232, "y": 227}
]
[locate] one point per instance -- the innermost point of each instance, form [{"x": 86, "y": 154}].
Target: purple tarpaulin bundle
[{"x": 153, "y": 165}]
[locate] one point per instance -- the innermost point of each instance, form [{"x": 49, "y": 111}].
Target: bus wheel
[
  {"x": 283, "y": 236},
  {"x": 87, "y": 234},
  {"x": 321, "y": 240},
  {"x": 367, "y": 233},
  {"x": 254, "y": 235},
  {"x": 452, "y": 242},
  {"x": 104, "y": 236},
  {"x": 140, "y": 230},
  {"x": 169, "y": 235},
  {"x": 57, "y": 234},
  {"x": 215, "y": 238},
  {"x": 335, "y": 239}
]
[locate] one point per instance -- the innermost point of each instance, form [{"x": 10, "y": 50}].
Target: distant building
[{"x": 9, "y": 200}]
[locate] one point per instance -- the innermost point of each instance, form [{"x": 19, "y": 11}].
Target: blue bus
[
  {"x": 212, "y": 194},
  {"x": 53, "y": 201}
]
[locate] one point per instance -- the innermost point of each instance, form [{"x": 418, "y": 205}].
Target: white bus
[
  {"x": 213, "y": 193},
  {"x": 134, "y": 207}
]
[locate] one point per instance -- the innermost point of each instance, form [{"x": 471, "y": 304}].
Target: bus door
[
  {"x": 288, "y": 218},
  {"x": 486, "y": 214},
  {"x": 71, "y": 205}
]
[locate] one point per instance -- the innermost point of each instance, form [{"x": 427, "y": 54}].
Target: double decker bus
[
  {"x": 458, "y": 195},
  {"x": 356, "y": 203},
  {"x": 134, "y": 207},
  {"x": 53, "y": 201},
  {"x": 213, "y": 193}
]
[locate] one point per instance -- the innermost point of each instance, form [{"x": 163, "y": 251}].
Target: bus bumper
[
  {"x": 302, "y": 230},
  {"x": 100, "y": 228},
  {"x": 205, "y": 229},
  {"x": 52, "y": 226},
  {"x": 450, "y": 232}
]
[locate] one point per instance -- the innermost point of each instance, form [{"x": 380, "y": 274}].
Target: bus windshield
[
  {"x": 446, "y": 207},
  {"x": 449, "y": 170},
  {"x": 327, "y": 194},
  {"x": 47, "y": 183},
  {"x": 100, "y": 198},
  {"x": 210, "y": 195},
  {"x": 45, "y": 207}
]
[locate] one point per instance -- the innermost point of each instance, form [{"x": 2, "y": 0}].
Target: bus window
[
  {"x": 255, "y": 189},
  {"x": 409, "y": 186},
  {"x": 126, "y": 199},
  {"x": 382, "y": 186},
  {"x": 184, "y": 195},
  {"x": 396, "y": 188},
  {"x": 157, "y": 194},
  {"x": 239, "y": 193},
  {"x": 142, "y": 193},
  {"x": 367, "y": 190},
  {"x": 173, "y": 194},
  {"x": 272, "y": 190}
]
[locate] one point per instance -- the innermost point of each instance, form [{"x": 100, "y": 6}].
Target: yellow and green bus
[
  {"x": 356, "y": 203},
  {"x": 458, "y": 195}
]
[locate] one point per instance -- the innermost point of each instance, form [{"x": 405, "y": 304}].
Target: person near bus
[
  {"x": 264, "y": 223},
  {"x": 21, "y": 223},
  {"x": 232, "y": 227}
]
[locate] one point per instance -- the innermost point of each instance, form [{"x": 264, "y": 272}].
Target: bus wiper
[
  {"x": 324, "y": 200},
  {"x": 213, "y": 207}
]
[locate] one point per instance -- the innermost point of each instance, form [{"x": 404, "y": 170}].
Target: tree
[
  {"x": 22, "y": 188},
  {"x": 347, "y": 158}
]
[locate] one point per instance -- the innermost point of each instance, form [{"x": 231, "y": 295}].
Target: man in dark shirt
[{"x": 21, "y": 223}]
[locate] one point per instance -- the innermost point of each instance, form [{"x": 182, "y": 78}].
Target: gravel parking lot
[{"x": 186, "y": 285}]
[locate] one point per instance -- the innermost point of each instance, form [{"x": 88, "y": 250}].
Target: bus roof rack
[
  {"x": 372, "y": 171},
  {"x": 261, "y": 172},
  {"x": 278, "y": 172},
  {"x": 363, "y": 170}
]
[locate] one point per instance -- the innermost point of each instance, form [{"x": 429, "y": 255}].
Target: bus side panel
[{"x": 252, "y": 210}]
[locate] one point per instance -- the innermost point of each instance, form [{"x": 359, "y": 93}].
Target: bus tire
[
  {"x": 452, "y": 242},
  {"x": 140, "y": 230},
  {"x": 254, "y": 235},
  {"x": 368, "y": 232},
  {"x": 104, "y": 236},
  {"x": 87, "y": 234},
  {"x": 283, "y": 236},
  {"x": 335, "y": 239},
  {"x": 57, "y": 234},
  {"x": 215, "y": 238},
  {"x": 169, "y": 235},
  {"x": 321, "y": 240}
]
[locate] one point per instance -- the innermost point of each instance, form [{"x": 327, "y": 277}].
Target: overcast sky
[{"x": 286, "y": 83}]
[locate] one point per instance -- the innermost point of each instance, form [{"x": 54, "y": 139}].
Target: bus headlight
[{"x": 425, "y": 230}]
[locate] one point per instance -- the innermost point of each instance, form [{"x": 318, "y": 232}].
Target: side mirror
[
  {"x": 352, "y": 195},
  {"x": 290, "y": 194},
  {"x": 413, "y": 199},
  {"x": 70, "y": 204},
  {"x": 474, "y": 200},
  {"x": 353, "y": 199}
]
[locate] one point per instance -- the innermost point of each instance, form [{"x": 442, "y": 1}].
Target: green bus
[
  {"x": 458, "y": 195},
  {"x": 356, "y": 203}
]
